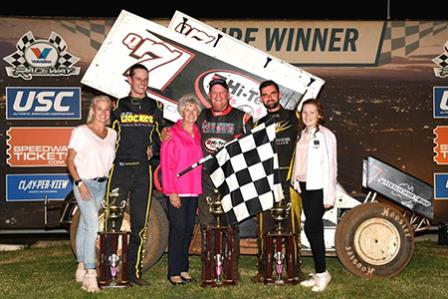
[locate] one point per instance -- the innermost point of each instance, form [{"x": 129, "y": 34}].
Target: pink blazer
[{"x": 181, "y": 151}]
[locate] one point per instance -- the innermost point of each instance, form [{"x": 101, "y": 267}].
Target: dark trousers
[
  {"x": 313, "y": 208},
  {"x": 181, "y": 231},
  {"x": 134, "y": 181}
]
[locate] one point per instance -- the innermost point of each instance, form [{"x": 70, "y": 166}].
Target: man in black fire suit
[
  {"x": 286, "y": 136},
  {"x": 218, "y": 125},
  {"x": 138, "y": 120}
]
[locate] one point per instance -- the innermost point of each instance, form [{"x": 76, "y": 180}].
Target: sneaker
[
  {"x": 309, "y": 283},
  {"x": 322, "y": 280},
  {"x": 80, "y": 272},
  {"x": 90, "y": 284}
]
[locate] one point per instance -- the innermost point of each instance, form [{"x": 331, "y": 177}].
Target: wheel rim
[{"x": 377, "y": 241}]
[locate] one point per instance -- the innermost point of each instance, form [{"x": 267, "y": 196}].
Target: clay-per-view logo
[{"x": 41, "y": 58}]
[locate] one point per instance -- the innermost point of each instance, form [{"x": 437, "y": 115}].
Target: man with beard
[{"x": 286, "y": 135}]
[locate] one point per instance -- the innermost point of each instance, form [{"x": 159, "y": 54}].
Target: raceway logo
[
  {"x": 43, "y": 103},
  {"x": 442, "y": 62},
  {"x": 41, "y": 58}
]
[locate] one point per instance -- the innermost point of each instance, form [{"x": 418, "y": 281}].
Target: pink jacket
[{"x": 180, "y": 152}]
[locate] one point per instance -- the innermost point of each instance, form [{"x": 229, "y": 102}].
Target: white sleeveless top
[{"x": 94, "y": 155}]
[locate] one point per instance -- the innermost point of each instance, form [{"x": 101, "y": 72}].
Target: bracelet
[{"x": 78, "y": 183}]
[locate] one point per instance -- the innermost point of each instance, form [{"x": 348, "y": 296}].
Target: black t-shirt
[{"x": 138, "y": 123}]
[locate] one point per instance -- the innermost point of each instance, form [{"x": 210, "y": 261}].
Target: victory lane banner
[
  {"x": 177, "y": 66},
  {"x": 37, "y": 146}
]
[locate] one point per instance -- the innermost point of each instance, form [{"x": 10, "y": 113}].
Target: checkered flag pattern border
[
  {"x": 401, "y": 38},
  {"x": 95, "y": 30},
  {"x": 65, "y": 58},
  {"x": 18, "y": 57},
  {"x": 245, "y": 171}
]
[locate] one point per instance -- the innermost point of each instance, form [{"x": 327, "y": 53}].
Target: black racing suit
[
  {"x": 138, "y": 123},
  {"x": 218, "y": 128},
  {"x": 286, "y": 136}
]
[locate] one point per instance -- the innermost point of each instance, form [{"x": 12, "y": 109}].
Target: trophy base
[
  {"x": 217, "y": 284},
  {"x": 279, "y": 253},
  {"x": 219, "y": 253},
  {"x": 113, "y": 284},
  {"x": 281, "y": 282}
]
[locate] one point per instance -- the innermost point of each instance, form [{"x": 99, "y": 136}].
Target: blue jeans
[{"x": 88, "y": 223}]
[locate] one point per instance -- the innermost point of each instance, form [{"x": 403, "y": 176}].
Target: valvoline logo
[
  {"x": 243, "y": 89},
  {"x": 41, "y": 54}
]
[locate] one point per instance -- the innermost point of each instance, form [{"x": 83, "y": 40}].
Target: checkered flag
[
  {"x": 245, "y": 171},
  {"x": 65, "y": 58},
  {"x": 18, "y": 57}
]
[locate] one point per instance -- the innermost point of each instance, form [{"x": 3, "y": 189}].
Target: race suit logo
[
  {"x": 37, "y": 147},
  {"x": 132, "y": 118},
  {"x": 43, "y": 103},
  {"x": 214, "y": 144},
  {"x": 41, "y": 58},
  {"x": 442, "y": 62}
]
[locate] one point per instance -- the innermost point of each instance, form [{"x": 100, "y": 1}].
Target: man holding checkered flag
[{"x": 245, "y": 171}]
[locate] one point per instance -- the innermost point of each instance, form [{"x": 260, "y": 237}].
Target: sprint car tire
[{"x": 374, "y": 240}]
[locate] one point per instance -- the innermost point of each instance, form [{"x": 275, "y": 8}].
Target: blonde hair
[
  {"x": 95, "y": 100},
  {"x": 188, "y": 100}
]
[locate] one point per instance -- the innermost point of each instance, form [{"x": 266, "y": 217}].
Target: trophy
[
  {"x": 113, "y": 261},
  {"x": 279, "y": 249},
  {"x": 217, "y": 269}
]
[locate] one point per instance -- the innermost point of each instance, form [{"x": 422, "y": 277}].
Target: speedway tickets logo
[
  {"x": 40, "y": 57},
  {"x": 441, "y": 145},
  {"x": 35, "y": 187},
  {"x": 37, "y": 147},
  {"x": 442, "y": 61},
  {"x": 43, "y": 103}
]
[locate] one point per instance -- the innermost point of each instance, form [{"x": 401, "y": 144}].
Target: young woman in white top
[
  {"x": 314, "y": 177},
  {"x": 90, "y": 156}
]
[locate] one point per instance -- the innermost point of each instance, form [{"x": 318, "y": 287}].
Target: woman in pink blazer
[{"x": 181, "y": 151}]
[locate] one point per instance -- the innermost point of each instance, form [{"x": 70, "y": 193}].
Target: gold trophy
[
  {"x": 279, "y": 249},
  {"x": 219, "y": 252},
  {"x": 113, "y": 262}
]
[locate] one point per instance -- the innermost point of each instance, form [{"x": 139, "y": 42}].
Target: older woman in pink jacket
[{"x": 181, "y": 151}]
